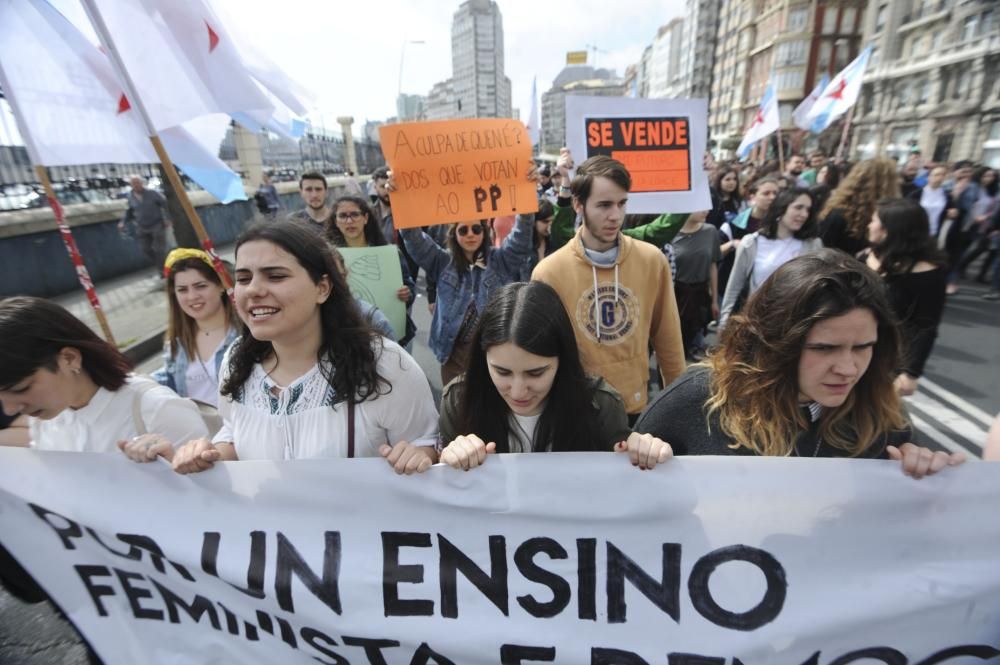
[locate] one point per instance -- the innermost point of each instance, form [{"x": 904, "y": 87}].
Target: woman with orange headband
[{"x": 202, "y": 324}]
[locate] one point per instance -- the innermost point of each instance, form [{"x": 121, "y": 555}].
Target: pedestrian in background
[
  {"x": 844, "y": 219},
  {"x": 268, "y": 201},
  {"x": 697, "y": 256},
  {"x": 145, "y": 210}
]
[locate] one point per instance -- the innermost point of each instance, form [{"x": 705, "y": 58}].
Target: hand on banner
[
  {"x": 467, "y": 452},
  {"x": 919, "y": 461},
  {"x": 403, "y": 293},
  {"x": 147, "y": 447},
  {"x": 645, "y": 450},
  {"x": 195, "y": 456},
  {"x": 404, "y": 457}
]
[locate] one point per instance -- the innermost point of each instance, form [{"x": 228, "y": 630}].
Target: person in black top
[
  {"x": 727, "y": 201},
  {"x": 806, "y": 370},
  {"x": 845, "y": 215},
  {"x": 916, "y": 276}
]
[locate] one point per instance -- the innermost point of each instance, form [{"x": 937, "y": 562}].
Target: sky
[{"x": 348, "y": 53}]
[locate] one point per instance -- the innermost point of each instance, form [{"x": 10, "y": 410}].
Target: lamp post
[{"x": 402, "y": 59}]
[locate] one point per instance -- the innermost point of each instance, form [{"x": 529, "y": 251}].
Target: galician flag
[
  {"x": 839, "y": 95},
  {"x": 533, "y": 128},
  {"x": 802, "y": 110},
  {"x": 73, "y": 110},
  {"x": 765, "y": 123}
]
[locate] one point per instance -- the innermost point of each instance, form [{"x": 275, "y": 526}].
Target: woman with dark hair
[
  {"x": 526, "y": 391},
  {"x": 353, "y": 224},
  {"x": 201, "y": 324},
  {"x": 788, "y": 230},
  {"x": 915, "y": 273},
  {"x": 467, "y": 274},
  {"x": 727, "y": 201},
  {"x": 806, "y": 370},
  {"x": 77, "y": 390},
  {"x": 944, "y": 217},
  {"x": 827, "y": 180},
  {"x": 309, "y": 377},
  {"x": 845, "y": 215}
]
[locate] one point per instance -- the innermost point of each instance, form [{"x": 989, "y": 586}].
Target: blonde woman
[{"x": 202, "y": 324}]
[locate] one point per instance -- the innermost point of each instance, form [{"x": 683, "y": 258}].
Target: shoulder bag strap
[{"x": 350, "y": 428}]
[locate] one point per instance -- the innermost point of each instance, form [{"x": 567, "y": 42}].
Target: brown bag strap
[{"x": 350, "y": 428}]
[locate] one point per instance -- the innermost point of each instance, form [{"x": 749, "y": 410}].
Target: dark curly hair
[{"x": 348, "y": 340}]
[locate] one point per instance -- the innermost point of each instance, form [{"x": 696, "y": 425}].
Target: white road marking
[
  {"x": 950, "y": 397},
  {"x": 950, "y": 418},
  {"x": 942, "y": 439}
]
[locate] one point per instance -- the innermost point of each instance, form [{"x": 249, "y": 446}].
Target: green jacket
[
  {"x": 610, "y": 407},
  {"x": 658, "y": 232}
]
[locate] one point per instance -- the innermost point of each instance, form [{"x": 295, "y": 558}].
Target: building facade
[
  {"x": 932, "y": 82},
  {"x": 573, "y": 80},
  {"x": 665, "y": 75},
  {"x": 480, "y": 87},
  {"x": 790, "y": 43},
  {"x": 697, "y": 55},
  {"x": 410, "y": 107},
  {"x": 441, "y": 103}
]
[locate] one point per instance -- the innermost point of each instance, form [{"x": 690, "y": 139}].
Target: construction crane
[{"x": 594, "y": 50}]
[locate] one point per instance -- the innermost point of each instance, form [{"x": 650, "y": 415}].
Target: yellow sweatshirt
[{"x": 635, "y": 305}]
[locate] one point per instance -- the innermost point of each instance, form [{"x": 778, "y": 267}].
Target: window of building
[
  {"x": 880, "y": 17},
  {"x": 847, "y": 19},
  {"x": 790, "y": 80},
  {"x": 823, "y": 58},
  {"x": 969, "y": 27},
  {"x": 873, "y": 58},
  {"x": 829, "y": 20},
  {"x": 942, "y": 149},
  {"x": 923, "y": 88},
  {"x": 961, "y": 85},
  {"x": 791, "y": 53},
  {"x": 798, "y": 19},
  {"x": 991, "y": 148}
]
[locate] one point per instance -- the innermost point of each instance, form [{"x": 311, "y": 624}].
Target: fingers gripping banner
[{"x": 574, "y": 558}]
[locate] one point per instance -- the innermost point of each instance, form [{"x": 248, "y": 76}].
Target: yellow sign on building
[{"x": 576, "y": 57}]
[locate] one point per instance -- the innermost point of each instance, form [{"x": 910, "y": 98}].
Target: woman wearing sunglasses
[{"x": 467, "y": 274}]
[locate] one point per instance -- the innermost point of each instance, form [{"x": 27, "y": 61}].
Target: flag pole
[
  {"x": 843, "y": 134},
  {"x": 781, "y": 151},
  {"x": 65, "y": 233},
  {"x": 168, "y": 166}
]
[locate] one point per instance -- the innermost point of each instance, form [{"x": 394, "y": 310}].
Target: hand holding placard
[{"x": 458, "y": 170}]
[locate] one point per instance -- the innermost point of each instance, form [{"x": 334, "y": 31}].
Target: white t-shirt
[
  {"x": 771, "y": 255},
  {"x": 521, "y": 432},
  {"x": 933, "y": 201},
  {"x": 108, "y": 418},
  {"x": 202, "y": 379},
  {"x": 299, "y": 421}
]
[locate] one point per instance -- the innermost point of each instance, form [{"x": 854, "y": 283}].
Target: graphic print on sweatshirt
[{"x": 618, "y": 317}]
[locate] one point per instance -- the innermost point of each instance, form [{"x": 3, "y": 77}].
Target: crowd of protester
[{"x": 826, "y": 286}]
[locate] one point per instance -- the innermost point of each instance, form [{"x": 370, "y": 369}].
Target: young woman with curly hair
[
  {"x": 806, "y": 370},
  {"x": 845, "y": 217}
]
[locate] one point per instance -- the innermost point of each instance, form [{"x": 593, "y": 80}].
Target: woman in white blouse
[
  {"x": 76, "y": 388},
  {"x": 309, "y": 377},
  {"x": 788, "y": 230}
]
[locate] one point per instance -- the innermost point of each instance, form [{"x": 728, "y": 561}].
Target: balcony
[{"x": 926, "y": 13}]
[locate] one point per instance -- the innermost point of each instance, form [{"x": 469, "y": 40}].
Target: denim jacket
[
  {"x": 173, "y": 374},
  {"x": 454, "y": 291}
]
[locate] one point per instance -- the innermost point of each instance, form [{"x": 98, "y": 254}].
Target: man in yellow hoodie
[{"x": 617, "y": 290}]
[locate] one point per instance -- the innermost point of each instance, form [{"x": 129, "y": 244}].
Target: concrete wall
[{"x": 33, "y": 259}]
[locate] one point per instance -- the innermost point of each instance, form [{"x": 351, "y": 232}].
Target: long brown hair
[
  {"x": 859, "y": 193},
  {"x": 754, "y": 385},
  {"x": 462, "y": 264},
  {"x": 182, "y": 330}
]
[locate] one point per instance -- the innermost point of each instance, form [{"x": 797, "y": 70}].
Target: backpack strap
[{"x": 350, "y": 428}]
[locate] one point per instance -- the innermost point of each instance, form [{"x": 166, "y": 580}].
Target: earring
[{"x": 76, "y": 370}]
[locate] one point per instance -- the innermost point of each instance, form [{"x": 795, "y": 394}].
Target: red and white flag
[{"x": 73, "y": 110}]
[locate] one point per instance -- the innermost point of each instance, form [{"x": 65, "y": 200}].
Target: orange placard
[
  {"x": 655, "y": 150},
  {"x": 458, "y": 170}
]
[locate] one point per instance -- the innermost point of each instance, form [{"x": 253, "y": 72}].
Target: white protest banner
[
  {"x": 660, "y": 141},
  {"x": 560, "y": 558},
  {"x": 374, "y": 275}
]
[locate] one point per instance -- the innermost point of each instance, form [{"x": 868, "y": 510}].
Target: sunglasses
[{"x": 465, "y": 230}]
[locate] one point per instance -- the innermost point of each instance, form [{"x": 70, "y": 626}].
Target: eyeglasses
[
  {"x": 344, "y": 216},
  {"x": 463, "y": 231}
]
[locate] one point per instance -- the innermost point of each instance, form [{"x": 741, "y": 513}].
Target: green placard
[{"x": 374, "y": 275}]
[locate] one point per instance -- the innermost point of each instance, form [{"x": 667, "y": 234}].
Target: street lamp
[{"x": 402, "y": 58}]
